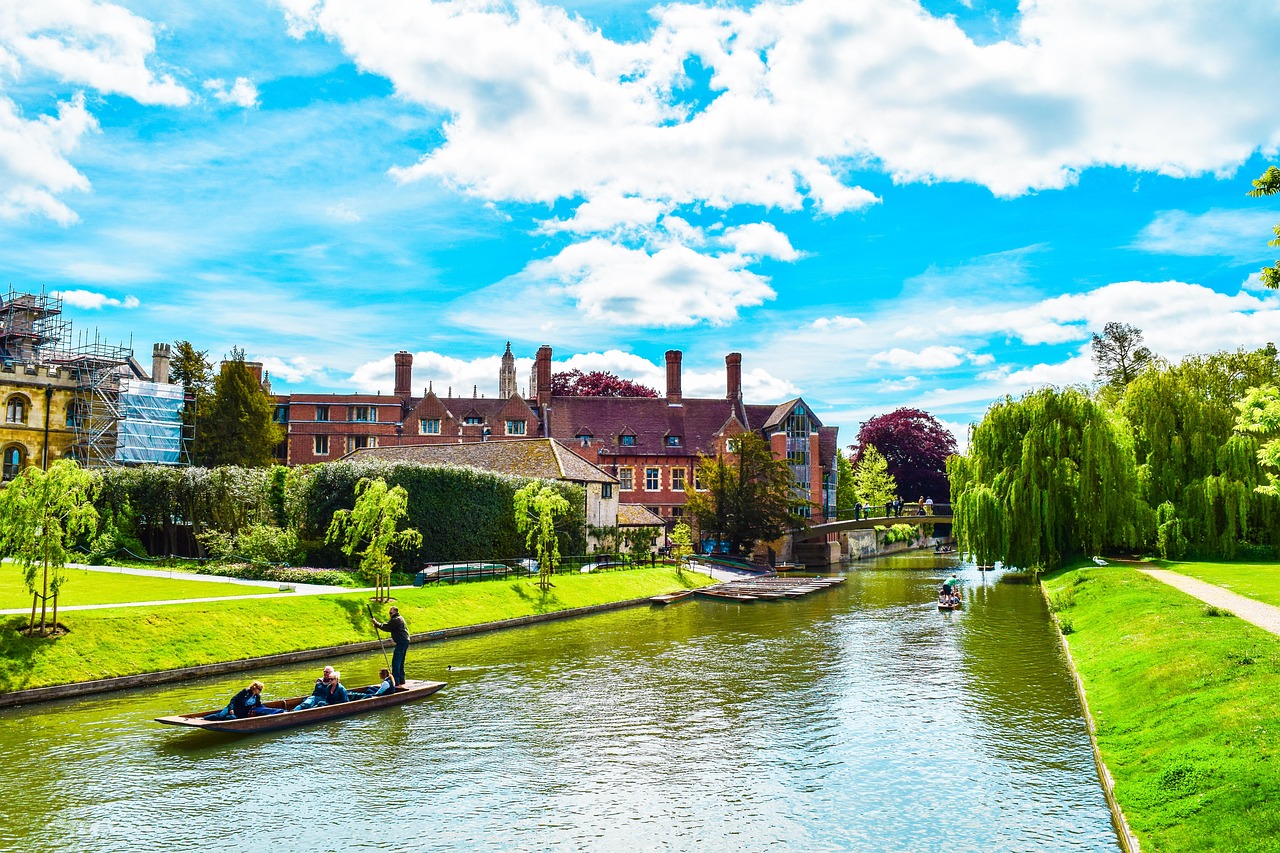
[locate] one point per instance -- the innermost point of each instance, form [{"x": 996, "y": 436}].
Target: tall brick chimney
[
  {"x": 673, "y": 378},
  {"x": 733, "y": 375},
  {"x": 542, "y": 376},
  {"x": 404, "y": 374},
  {"x": 160, "y": 354}
]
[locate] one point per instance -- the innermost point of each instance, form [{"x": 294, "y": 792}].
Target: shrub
[{"x": 278, "y": 574}]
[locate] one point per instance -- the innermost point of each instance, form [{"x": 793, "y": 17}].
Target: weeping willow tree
[
  {"x": 1047, "y": 476},
  {"x": 1192, "y": 457}
]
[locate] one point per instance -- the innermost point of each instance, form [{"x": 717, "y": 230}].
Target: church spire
[{"x": 507, "y": 375}]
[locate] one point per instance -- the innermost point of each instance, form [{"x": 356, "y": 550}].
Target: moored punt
[
  {"x": 724, "y": 595},
  {"x": 789, "y": 567},
  {"x": 670, "y": 597},
  {"x": 406, "y": 692}
]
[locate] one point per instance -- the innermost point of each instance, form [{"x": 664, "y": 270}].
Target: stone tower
[{"x": 507, "y": 375}]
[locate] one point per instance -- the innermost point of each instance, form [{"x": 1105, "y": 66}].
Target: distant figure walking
[
  {"x": 928, "y": 506},
  {"x": 399, "y": 632}
]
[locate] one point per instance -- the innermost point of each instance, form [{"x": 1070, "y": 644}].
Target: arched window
[
  {"x": 73, "y": 414},
  {"x": 13, "y": 457},
  {"x": 15, "y": 410}
]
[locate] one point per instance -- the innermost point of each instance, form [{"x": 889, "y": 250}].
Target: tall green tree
[
  {"x": 1046, "y": 477},
  {"x": 538, "y": 510},
  {"x": 1119, "y": 354},
  {"x": 369, "y": 530},
  {"x": 1260, "y": 416},
  {"x": 42, "y": 514},
  {"x": 846, "y": 489},
  {"x": 1191, "y": 456},
  {"x": 871, "y": 477},
  {"x": 1269, "y": 184},
  {"x": 236, "y": 427},
  {"x": 748, "y": 496}
]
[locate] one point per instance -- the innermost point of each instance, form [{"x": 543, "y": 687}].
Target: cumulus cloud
[
  {"x": 935, "y": 357},
  {"x": 292, "y": 370},
  {"x": 837, "y": 322},
  {"x": 798, "y": 97},
  {"x": 667, "y": 287},
  {"x": 91, "y": 301},
  {"x": 241, "y": 93},
  {"x": 463, "y": 377},
  {"x": 81, "y": 43}
]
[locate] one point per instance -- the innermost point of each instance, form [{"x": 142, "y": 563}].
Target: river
[{"x": 856, "y": 719}]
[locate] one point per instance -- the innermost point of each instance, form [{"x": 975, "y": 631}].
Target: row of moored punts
[{"x": 754, "y": 589}]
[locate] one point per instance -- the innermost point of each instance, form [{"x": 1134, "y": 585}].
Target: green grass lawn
[
  {"x": 1185, "y": 704},
  {"x": 85, "y": 587},
  {"x": 125, "y": 641},
  {"x": 1260, "y": 581}
]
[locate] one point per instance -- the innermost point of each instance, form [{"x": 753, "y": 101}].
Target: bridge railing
[{"x": 908, "y": 510}]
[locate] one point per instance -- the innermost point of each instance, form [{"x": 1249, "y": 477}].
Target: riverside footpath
[{"x": 1265, "y": 616}]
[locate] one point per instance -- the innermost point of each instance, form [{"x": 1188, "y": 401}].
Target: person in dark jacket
[
  {"x": 246, "y": 703},
  {"x": 399, "y": 632}
]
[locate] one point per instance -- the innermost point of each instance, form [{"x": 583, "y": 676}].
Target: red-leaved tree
[
  {"x": 916, "y": 446},
  {"x": 597, "y": 383}
]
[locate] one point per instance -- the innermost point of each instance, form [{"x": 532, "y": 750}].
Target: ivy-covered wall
[{"x": 462, "y": 513}]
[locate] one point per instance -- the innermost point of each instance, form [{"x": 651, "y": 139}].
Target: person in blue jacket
[
  {"x": 246, "y": 703},
  {"x": 329, "y": 691}
]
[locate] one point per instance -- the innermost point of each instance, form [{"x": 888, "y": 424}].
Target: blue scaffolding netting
[{"x": 150, "y": 426}]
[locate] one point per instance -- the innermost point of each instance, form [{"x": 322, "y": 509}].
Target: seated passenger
[
  {"x": 247, "y": 703},
  {"x": 328, "y": 691},
  {"x": 388, "y": 684}
]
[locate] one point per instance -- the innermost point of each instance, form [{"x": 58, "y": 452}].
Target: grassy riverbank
[
  {"x": 89, "y": 587},
  {"x": 1259, "y": 581},
  {"x": 1185, "y": 705},
  {"x": 126, "y": 641}
]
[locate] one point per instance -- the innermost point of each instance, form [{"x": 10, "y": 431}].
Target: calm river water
[{"x": 856, "y": 719}]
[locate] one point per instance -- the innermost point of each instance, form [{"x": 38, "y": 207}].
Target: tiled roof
[
  {"x": 530, "y": 457},
  {"x": 635, "y": 515},
  {"x": 651, "y": 420}
]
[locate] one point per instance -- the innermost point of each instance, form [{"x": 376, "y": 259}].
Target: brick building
[{"x": 651, "y": 445}]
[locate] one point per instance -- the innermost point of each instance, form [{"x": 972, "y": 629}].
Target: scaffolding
[{"x": 115, "y": 417}]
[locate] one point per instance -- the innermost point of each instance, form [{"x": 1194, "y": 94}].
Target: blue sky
[{"x": 878, "y": 203}]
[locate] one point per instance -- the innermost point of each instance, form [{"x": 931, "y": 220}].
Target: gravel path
[{"x": 1265, "y": 616}]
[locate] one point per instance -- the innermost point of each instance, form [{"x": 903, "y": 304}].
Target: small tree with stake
[
  {"x": 372, "y": 522},
  {"x": 42, "y": 513},
  {"x": 537, "y": 508}
]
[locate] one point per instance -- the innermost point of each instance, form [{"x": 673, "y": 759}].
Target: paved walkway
[
  {"x": 298, "y": 589},
  {"x": 1265, "y": 616}
]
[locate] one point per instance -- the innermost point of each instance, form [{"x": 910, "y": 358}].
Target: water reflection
[{"x": 859, "y": 718}]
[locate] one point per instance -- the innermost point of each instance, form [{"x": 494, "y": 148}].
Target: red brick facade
[{"x": 652, "y": 442}]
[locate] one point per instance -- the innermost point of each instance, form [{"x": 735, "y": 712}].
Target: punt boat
[{"x": 406, "y": 692}]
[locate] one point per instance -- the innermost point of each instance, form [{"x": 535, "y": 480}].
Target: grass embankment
[
  {"x": 126, "y": 641},
  {"x": 1259, "y": 581},
  {"x": 88, "y": 587},
  {"x": 1185, "y": 706}
]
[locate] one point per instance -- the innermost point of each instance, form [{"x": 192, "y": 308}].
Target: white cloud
[
  {"x": 801, "y": 89},
  {"x": 935, "y": 357},
  {"x": 668, "y": 287},
  {"x": 88, "y": 43},
  {"x": 1233, "y": 233},
  {"x": 837, "y": 322},
  {"x": 759, "y": 240},
  {"x": 91, "y": 301},
  {"x": 241, "y": 93},
  {"x": 296, "y": 369},
  {"x": 78, "y": 42},
  {"x": 893, "y": 386}
]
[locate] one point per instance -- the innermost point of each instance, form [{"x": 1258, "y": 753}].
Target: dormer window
[
  {"x": 627, "y": 440},
  {"x": 429, "y": 426},
  {"x": 585, "y": 438},
  {"x": 673, "y": 441},
  {"x": 515, "y": 427},
  {"x": 362, "y": 414},
  {"x": 473, "y": 420}
]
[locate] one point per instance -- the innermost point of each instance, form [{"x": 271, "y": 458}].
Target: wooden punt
[
  {"x": 724, "y": 595},
  {"x": 669, "y": 597},
  {"x": 407, "y": 692}
]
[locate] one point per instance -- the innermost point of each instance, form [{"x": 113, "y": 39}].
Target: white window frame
[
  {"x": 657, "y": 472},
  {"x": 425, "y": 426},
  {"x": 515, "y": 427},
  {"x": 626, "y": 479},
  {"x": 316, "y": 441},
  {"x": 677, "y": 473}
]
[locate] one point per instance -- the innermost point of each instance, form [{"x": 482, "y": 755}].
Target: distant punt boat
[
  {"x": 724, "y": 595},
  {"x": 406, "y": 692},
  {"x": 671, "y": 597}
]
